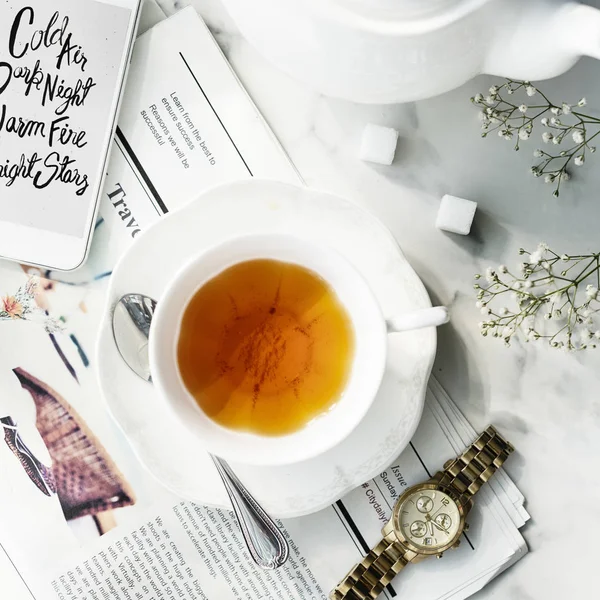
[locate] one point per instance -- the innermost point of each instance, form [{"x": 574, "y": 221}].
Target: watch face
[{"x": 429, "y": 519}]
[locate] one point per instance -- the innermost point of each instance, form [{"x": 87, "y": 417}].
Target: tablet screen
[{"x": 60, "y": 65}]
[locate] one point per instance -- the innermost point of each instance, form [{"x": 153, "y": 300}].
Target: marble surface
[{"x": 545, "y": 401}]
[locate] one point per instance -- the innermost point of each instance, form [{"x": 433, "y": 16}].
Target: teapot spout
[{"x": 548, "y": 48}]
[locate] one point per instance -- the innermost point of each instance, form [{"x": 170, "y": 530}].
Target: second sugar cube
[
  {"x": 378, "y": 144},
  {"x": 456, "y": 214}
]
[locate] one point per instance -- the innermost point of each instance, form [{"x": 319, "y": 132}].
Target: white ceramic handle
[{"x": 427, "y": 317}]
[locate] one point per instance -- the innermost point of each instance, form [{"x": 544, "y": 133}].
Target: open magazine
[{"x": 79, "y": 518}]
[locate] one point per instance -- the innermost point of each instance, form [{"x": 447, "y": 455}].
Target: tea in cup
[{"x": 271, "y": 348}]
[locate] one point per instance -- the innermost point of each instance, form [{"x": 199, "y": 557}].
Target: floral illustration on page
[{"x": 22, "y": 306}]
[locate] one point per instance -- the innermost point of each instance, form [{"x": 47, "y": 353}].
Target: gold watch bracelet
[
  {"x": 465, "y": 475},
  {"x": 370, "y": 576}
]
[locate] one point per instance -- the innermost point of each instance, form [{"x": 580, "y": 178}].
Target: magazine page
[
  {"x": 13, "y": 585},
  {"x": 186, "y": 124},
  {"x": 80, "y": 519}
]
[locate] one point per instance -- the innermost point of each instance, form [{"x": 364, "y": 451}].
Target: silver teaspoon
[{"x": 132, "y": 318}]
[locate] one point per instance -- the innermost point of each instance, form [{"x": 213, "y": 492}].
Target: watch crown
[
  {"x": 467, "y": 526},
  {"x": 439, "y": 555},
  {"x": 456, "y": 544}
]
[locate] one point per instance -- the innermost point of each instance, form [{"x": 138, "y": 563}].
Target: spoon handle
[{"x": 266, "y": 543}]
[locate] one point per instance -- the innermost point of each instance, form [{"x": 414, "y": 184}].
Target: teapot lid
[{"x": 404, "y": 16}]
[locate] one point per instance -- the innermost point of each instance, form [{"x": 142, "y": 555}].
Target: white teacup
[{"x": 370, "y": 348}]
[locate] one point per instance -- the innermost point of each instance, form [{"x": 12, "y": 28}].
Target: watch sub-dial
[
  {"x": 444, "y": 521},
  {"x": 418, "y": 529},
  {"x": 424, "y": 504}
]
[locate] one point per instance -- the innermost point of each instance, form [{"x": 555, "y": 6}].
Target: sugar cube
[
  {"x": 378, "y": 144},
  {"x": 456, "y": 214}
]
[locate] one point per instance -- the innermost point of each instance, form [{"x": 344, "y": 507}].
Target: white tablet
[{"x": 62, "y": 69}]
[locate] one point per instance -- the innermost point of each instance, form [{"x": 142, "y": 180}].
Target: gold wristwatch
[{"x": 427, "y": 519}]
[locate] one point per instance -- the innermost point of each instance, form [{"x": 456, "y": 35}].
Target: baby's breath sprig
[
  {"x": 564, "y": 127},
  {"x": 555, "y": 298}
]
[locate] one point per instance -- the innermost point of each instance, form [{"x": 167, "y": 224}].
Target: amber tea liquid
[{"x": 265, "y": 346}]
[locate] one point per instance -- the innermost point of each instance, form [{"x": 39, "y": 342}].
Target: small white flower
[
  {"x": 578, "y": 136},
  {"x": 579, "y": 160},
  {"x": 527, "y": 285},
  {"x": 482, "y": 116},
  {"x": 557, "y": 140},
  {"x": 555, "y": 110},
  {"x": 523, "y": 134},
  {"x": 564, "y": 176},
  {"x": 479, "y": 304},
  {"x": 549, "y": 178},
  {"x": 547, "y": 316},
  {"x": 537, "y": 153},
  {"x": 564, "y": 257},
  {"x": 566, "y": 108},
  {"x": 503, "y": 311},
  {"x": 546, "y": 136},
  {"x": 582, "y": 102},
  {"x": 536, "y": 257},
  {"x": 597, "y": 335},
  {"x": 586, "y": 313},
  {"x": 592, "y": 149},
  {"x": 490, "y": 275},
  {"x": 523, "y": 108},
  {"x": 493, "y": 90},
  {"x": 478, "y": 98},
  {"x": 489, "y": 100},
  {"x": 544, "y": 121},
  {"x": 591, "y": 291},
  {"x": 554, "y": 121},
  {"x": 546, "y": 265},
  {"x": 517, "y": 285},
  {"x": 485, "y": 311},
  {"x": 530, "y": 90},
  {"x": 503, "y": 269}
]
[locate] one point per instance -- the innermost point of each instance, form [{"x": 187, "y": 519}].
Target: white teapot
[{"x": 385, "y": 51}]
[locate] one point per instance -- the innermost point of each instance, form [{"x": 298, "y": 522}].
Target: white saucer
[{"x": 171, "y": 453}]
